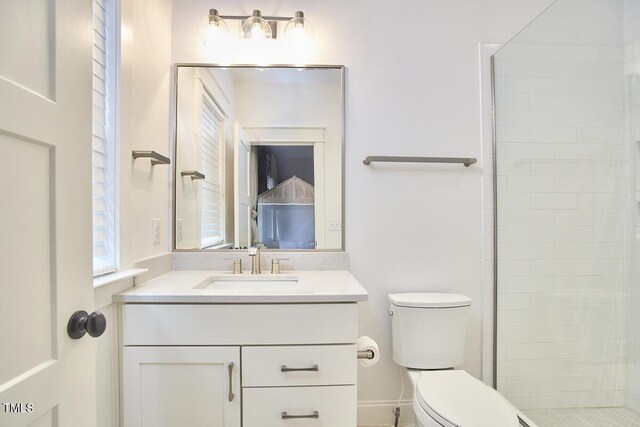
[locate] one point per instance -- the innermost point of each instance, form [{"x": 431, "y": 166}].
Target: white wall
[
  {"x": 412, "y": 89},
  {"x": 145, "y": 93}
]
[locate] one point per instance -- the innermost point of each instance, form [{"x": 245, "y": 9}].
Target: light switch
[{"x": 155, "y": 231}]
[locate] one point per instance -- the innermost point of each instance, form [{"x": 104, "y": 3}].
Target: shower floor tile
[{"x": 584, "y": 417}]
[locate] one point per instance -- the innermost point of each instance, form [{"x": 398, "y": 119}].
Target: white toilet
[{"x": 429, "y": 332}]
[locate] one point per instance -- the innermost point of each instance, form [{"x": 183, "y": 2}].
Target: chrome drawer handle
[
  {"x": 286, "y": 416},
  {"x": 314, "y": 368},
  {"x": 231, "y": 395}
]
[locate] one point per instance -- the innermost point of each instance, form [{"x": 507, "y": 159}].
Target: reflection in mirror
[{"x": 259, "y": 158}]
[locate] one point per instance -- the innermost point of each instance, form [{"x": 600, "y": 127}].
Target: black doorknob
[{"x": 81, "y": 323}]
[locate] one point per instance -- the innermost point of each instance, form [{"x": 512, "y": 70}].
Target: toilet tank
[{"x": 429, "y": 329}]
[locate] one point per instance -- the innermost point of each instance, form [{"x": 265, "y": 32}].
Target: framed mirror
[{"x": 259, "y": 157}]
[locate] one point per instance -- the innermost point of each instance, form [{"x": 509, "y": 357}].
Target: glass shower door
[{"x": 566, "y": 214}]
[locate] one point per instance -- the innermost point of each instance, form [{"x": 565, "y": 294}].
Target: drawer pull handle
[
  {"x": 286, "y": 416},
  {"x": 314, "y": 368},
  {"x": 231, "y": 395}
]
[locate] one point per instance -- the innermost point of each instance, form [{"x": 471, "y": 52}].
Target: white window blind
[
  {"x": 212, "y": 200},
  {"x": 103, "y": 142}
]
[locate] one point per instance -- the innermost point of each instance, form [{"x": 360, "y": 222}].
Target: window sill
[{"x": 110, "y": 278}]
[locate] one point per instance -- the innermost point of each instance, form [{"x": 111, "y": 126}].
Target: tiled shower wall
[
  {"x": 632, "y": 111},
  {"x": 564, "y": 213}
]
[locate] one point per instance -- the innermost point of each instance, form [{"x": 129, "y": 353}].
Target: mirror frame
[{"x": 174, "y": 119}]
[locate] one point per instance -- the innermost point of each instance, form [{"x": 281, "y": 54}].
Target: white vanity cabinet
[{"x": 231, "y": 365}]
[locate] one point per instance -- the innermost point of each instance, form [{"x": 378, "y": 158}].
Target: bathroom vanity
[{"x": 208, "y": 348}]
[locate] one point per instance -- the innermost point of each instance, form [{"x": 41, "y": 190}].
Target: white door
[
  {"x": 181, "y": 386},
  {"x": 46, "y": 378},
  {"x": 241, "y": 187}
]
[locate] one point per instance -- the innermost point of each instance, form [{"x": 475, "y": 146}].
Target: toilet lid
[
  {"x": 429, "y": 300},
  {"x": 455, "y": 397}
]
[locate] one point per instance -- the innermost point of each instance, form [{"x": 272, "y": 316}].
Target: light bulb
[
  {"x": 257, "y": 33},
  {"x": 299, "y": 33},
  {"x": 214, "y": 32},
  {"x": 255, "y": 27}
]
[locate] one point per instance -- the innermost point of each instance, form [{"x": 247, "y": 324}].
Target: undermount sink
[{"x": 251, "y": 282}]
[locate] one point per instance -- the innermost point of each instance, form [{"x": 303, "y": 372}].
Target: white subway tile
[
  {"x": 612, "y": 54},
  {"x": 552, "y": 134},
  {"x": 597, "y": 399},
  {"x": 599, "y": 70},
  {"x": 552, "y": 69},
  {"x": 530, "y": 251},
  {"x": 511, "y": 67},
  {"x": 575, "y": 53},
  {"x": 595, "y": 201},
  {"x": 511, "y": 167},
  {"x": 576, "y": 267},
  {"x": 596, "y": 217},
  {"x": 553, "y": 201},
  {"x": 613, "y": 119},
  {"x": 530, "y": 184},
  {"x": 533, "y": 217},
  {"x": 525, "y": 151},
  {"x": 575, "y": 118},
  {"x": 514, "y": 268},
  {"x": 529, "y": 351},
  {"x": 605, "y": 135},
  {"x": 512, "y": 134},
  {"x": 514, "y": 302},
  {"x": 528, "y": 118},
  {"x": 523, "y": 52},
  {"x": 514, "y": 101},
  {"x": 552, "y": 101},
  {"x": 604, "y": 250},
  {"x": 576, "y": 86},
  {"x": 590, "y": 184},
  {"x": 514, "y": 200},
  {"x": 578, "y": 168},
  {"x": 589, "y": 152},
  {"x": 610, "y": 86},
  {"x": 525, "y": 85},
  {"x": 553, "y": 400},
  {"x": 509, "y": 234}
]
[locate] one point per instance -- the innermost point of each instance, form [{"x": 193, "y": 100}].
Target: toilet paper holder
[{"x": 365, "y": 354}]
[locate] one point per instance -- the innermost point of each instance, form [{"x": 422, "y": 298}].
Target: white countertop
[{"x": 190, "y": 287}]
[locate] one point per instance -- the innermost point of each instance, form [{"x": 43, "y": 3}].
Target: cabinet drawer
[
  {"x": 239, "y": 324},
  {"x": 265, "y": 407},
  {"x": 299, "y": 365}
]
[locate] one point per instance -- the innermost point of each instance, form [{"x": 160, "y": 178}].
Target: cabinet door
[{"x": 181, "y": 386}]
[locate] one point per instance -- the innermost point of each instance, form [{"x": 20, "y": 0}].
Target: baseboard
[{"x": 379, "y": 413}]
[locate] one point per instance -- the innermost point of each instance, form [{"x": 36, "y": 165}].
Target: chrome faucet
[{"x": 254, "y": 253}]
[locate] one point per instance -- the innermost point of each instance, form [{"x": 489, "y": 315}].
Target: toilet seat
[{"x": 454, "y": 398}]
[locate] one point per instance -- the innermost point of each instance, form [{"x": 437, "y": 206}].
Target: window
[
  {"x": 104, "y": 136},
  {"x": 212, "y": 197}
]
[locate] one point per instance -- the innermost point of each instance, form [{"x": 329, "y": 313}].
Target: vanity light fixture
[{"x": 298, "y": 31}]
